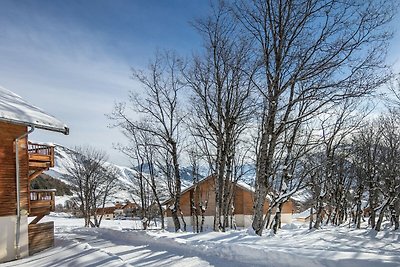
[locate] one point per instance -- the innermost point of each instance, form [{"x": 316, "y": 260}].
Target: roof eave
[{"x": 64, "y": 130}]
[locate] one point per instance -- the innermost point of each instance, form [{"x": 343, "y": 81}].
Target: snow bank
[{"x": 118, "y": 244}]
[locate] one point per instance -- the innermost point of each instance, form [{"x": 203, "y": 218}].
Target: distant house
[
  {"x": 119, "y": 210},
  {"x": 205, "y": 195},
  {"x": 130, "y": 209},
  {"x": 107, "y": 213},
  {"x": 22, "y": 161}
]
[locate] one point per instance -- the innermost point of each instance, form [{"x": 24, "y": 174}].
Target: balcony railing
[
  {"x": 40, "y": 155},
  {"x": 42, "y": 201}
]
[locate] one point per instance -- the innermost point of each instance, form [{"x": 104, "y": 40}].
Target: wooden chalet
[
  {"x": 106, "y": 212},
  {"x": 203, "y": 196},
  {"x": 22, "y": 161},
  {"x": 129, "y": 209}
]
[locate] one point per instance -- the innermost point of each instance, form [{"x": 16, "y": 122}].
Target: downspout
[{"x": 17, "y": 180}]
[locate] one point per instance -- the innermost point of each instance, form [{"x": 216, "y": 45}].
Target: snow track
[{"x": 117, "y": 244}]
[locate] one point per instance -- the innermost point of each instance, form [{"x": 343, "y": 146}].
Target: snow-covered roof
[
  {"x": 302, "y": 215},
  {"x": 14, "y": 109}
]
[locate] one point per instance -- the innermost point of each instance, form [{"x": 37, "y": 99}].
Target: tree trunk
[
  {"x": 381, "y": 216},
  {"x": 258, "y": 219},
  {"x": 393, "y": 216},
  {"x": 264, "y": 161},
  {"x": 358, "y": 214},
  {"x": 397, "y": 213},
  {"x": 372, "y": 203},
  {"x": 177, "y": 196},
  {"x": 380, "y": 220},
  {"x": 311, "y": 218},
  {"x": 277, "y": 223},
  {"x": 329, "y": 217},
  {"x": 219, "y": 193},
  {"x": 318, "y": 215},
  {"x": 203, "y": 218},
  {"x": 161, "y": 214},
  {"x": 183, "y": 221}
]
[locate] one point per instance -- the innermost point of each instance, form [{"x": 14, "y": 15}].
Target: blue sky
[{"x": 73, "y": 58}]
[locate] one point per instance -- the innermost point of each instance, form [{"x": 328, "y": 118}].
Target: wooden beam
[
  {"x": 38, "y": 165},
  {"x": 40, "y": 157},
  {"x": 35, "y": 174},
  {"x": 37, "y": 219},
  {"x": 39, "y": 211}
]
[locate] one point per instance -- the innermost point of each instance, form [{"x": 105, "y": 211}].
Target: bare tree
[
  {"x": 195, "y": 200},
  {"x": 337, "y": 168},
  {"x": 366, "y": 145},
  {"x": 92, "y": 180},
  {"x": 394, "y": 88},
  {"x": 389, "y": 169},
  {"x": 143, "y": 153},
  {"x": 221, "y": 101},
  {"x": 310, "y": 55},
  {"x": 159, "y": 109}
]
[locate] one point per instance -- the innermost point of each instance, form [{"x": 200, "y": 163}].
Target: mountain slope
[{"x": 128, "y": 185}]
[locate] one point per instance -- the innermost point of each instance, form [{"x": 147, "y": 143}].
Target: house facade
[
  {"x": 131, "y": 209},
  {"x": 106, "y": 213},
  {"x": 118, "y": 211},
  {"x": 203, "y": 195},
  {"x": 22, "y": 161}
]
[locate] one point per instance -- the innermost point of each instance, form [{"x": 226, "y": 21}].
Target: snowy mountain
[
  {"x": 128, "y": 182},
  {"x": 186, "y": 172},
  {"x": 127, "y": 177}
]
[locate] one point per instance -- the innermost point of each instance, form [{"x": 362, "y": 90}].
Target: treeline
[
  {"x": 45, "y": 181},
  {"x": 358, "y": 175},
  {"x": 284, "y": 85}
]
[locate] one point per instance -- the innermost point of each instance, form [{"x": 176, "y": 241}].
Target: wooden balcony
[
  {"x": 42, "y": 202},
  {"x": 41, "y": 156}
]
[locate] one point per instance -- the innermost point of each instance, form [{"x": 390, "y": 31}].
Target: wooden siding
[
  {"x": 243, "y": 200},
  {"x": 8, "y": 196},
  {"x": 41, "y": 236},
  {"x": 288, "y": 207}
]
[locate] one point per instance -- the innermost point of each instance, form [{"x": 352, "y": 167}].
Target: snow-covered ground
[{"x": 118, "y": 244}]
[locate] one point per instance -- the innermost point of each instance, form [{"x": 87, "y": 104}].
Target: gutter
[
  {"x": 17, "y": 180},
  {"x": 64, "y": 130}
]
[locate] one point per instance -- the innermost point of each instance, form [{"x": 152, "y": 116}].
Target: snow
[
  {"x": 302, "y": 215},
  {"x": 245, "y": 186},
  {"x": 117, "y": 243},
  {"x": 302, "y": 196},
  {"x": 63, "y": 199},
  {"x": 14, "y": 109}
]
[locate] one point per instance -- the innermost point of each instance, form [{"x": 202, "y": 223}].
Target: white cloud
[{"x": 70, "y": 75}]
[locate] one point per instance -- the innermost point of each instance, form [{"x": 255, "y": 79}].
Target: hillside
[
  {"x": 127, "y": 181},
  {"x": 45, "y": 181}
]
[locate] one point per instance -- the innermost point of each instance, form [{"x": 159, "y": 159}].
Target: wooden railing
[
  {"x": 42, "y": 201},
  {"x": 40, "y": 155}
]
